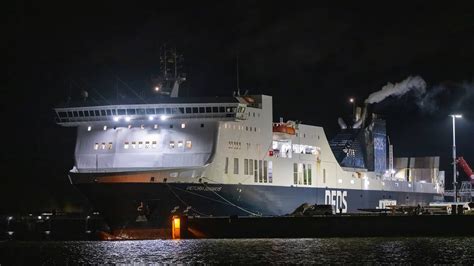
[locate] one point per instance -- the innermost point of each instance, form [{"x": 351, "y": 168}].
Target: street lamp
[
  {"x": 352, "y": 101},
  {"x": 454, "y": 116}
]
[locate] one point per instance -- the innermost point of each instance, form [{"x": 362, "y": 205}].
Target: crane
[{"x": 467, "y": 169}]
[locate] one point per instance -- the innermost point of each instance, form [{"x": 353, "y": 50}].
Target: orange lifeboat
[{"x": 284, "y": 128}]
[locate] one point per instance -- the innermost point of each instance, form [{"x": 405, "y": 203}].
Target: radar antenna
[{"x": 167, "y": 83}]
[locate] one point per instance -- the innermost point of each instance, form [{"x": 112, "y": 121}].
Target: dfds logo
[{"x": 336, "y": 198}]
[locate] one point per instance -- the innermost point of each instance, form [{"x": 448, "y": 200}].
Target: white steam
[{"x": 415, "y": 83}]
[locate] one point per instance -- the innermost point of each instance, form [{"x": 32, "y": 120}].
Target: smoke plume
[{"x": 415, "y": 83}]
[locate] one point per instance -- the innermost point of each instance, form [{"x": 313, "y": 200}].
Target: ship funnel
[
  {"x": 361, "y": 121},
  {"x": 341, "y": 123}
]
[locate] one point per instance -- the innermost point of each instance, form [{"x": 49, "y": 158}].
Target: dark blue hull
[{"x": 151, "y": 204}]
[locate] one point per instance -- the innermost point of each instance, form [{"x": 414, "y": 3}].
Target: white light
[
  {"x": 409, "y": 185},
  {"x": 150, "y": 118},
  {"x": 157, "y": 88},
  {"x": 10, "y": 218},
  {"x": 105, "y": 127},
  {"x": 10, "y": 233},
  {"x": 39, "y": 217},
  {"x": 155, "y": 126},
  {"x": 339, "y": 181},
  {"x": 351, "y": 100},
  {"x": 163, "y": 117},
  {"x": 127, "y": 119},
  {"x": 457, "y": 116},
  {"x": 142, "y": 127},
  {"x": 89, "y": 128},
  {"x": 393, "y": 171},
  {"x": 352, "y": 181},
  {"x": 116, "y": 118},
  {"x": 129, "y": 126},
  {"x": 183, "y": 125}
]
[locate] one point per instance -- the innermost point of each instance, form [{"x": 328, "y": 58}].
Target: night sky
[{"x": 311, "y": 59}]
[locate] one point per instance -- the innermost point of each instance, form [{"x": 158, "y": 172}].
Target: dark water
[{"x": 243, "y": 251}]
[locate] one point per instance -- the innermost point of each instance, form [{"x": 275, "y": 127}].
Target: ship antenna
[{"x": 237, "y": 74}]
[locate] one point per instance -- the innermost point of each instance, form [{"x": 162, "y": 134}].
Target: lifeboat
[{"x": 284, "y": 129}]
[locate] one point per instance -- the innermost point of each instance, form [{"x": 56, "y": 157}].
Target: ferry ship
[{"x": 138, "y": 162}]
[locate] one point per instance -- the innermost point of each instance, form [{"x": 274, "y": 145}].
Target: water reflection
[{"x": 243, "y": 251}]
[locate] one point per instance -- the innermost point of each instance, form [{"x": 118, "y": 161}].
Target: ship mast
[{"x": 169, "y": 80}]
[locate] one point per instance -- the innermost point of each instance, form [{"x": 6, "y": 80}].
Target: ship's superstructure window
[
  {"x": 250, "y": 167},
  {"x": 295, "y": 173},
  {"x": 121, "y": 111},
  {"x": 265, "y": 171},
  {"x": 109, "y": 146},
  {"x": 126, "y": 145},
  {"x": 131, "y": 111},
  {"x": 96, "y": 146},
  {"x": 226, "y": 166},
  {"x": 102, "y": 146},
  {"x": 150, "y": 111},
  {"x": 183, "y": 125},
  {"x": 171, "y": 144},
  {"x": 180, "y": 144},
  {"x": 153, "y": 144},
  {"x": 134, "y": 144},
  {"x": 236, "y": 166},
  {"x": 189, "y": 144},
  {"x": 147, "y": 144},
  {"x": 140, "y": 144},
  {"x": 246, "y": 166}
]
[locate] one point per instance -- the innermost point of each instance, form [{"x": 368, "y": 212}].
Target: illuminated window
[
  {"x": 153, "y": 144},
  {"x": 189, "y": 144},
  {"x": 147, "y": 144},
  {"x": 134, "y": 144},
  {"x": 109, "y": 146},
  {"x": 96, "y": 146},
  {"x": 140, "y": 144},
  {"x": 180, "y": 144},
  {"x": 183, "y": 125},
  {"x": 171, "y": 144},
  {"x": 102, "y": 146},
  {"x": 125, "y": 146}
]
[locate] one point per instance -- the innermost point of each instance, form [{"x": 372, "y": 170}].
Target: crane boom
[{"x": 465, "y": 166}]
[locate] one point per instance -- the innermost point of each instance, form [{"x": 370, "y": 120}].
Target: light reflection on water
[{"x": 240, "y": 251}]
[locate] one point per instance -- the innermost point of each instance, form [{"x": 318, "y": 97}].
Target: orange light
[
  {"x": 176, "y": 228},
  {"x": 177, "y": 223}
]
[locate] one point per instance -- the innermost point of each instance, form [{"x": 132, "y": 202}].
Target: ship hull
[{"x": 133, "y": 205}]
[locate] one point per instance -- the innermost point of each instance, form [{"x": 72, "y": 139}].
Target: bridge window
[
  {"x": 208, "y": 110},
  {"x": 201, "y": 109},
  {"x": 91, "y": 113},
  {"x": 81, "y": 113},
  {"x": 125, "y": 146},
  {"x": 141, "y": 111},
  {"x": 130, "y": 111},
  {"x": 195, "y": 110},
  {"x": 215, "y": 109},
  {"x": 97, "y": 113},
  {"x": 113, "y": 112},
  {"x": 62, "y": 114},
  {"x": 189, "y": 144},
  {"x": 160, "y": 111},
  {"x": 121, "y": 111},
  {"x": 69, "y": 114},
  {"x": 168, "y": 111},
  {"x": 181, "y": 110},
  {"x": 150, "y": 111},
  {"x": 188, "y": 110},
  {"x": 221, "y": 109}
]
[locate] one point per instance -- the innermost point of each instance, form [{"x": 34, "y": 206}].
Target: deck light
[
  {"x": 127, "y": 119},
  {"x": 150, "y": 118},
  {"x": 163, "y": 117},
  {"x": 116, "y": 118},
  {"x": 105, "y": 127},
  {"x": 157, "y": 88},
  {"x": 89, "y": 128},
  {"x": 183, "y": 125},
  {"x": 155, "y": 126}
]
